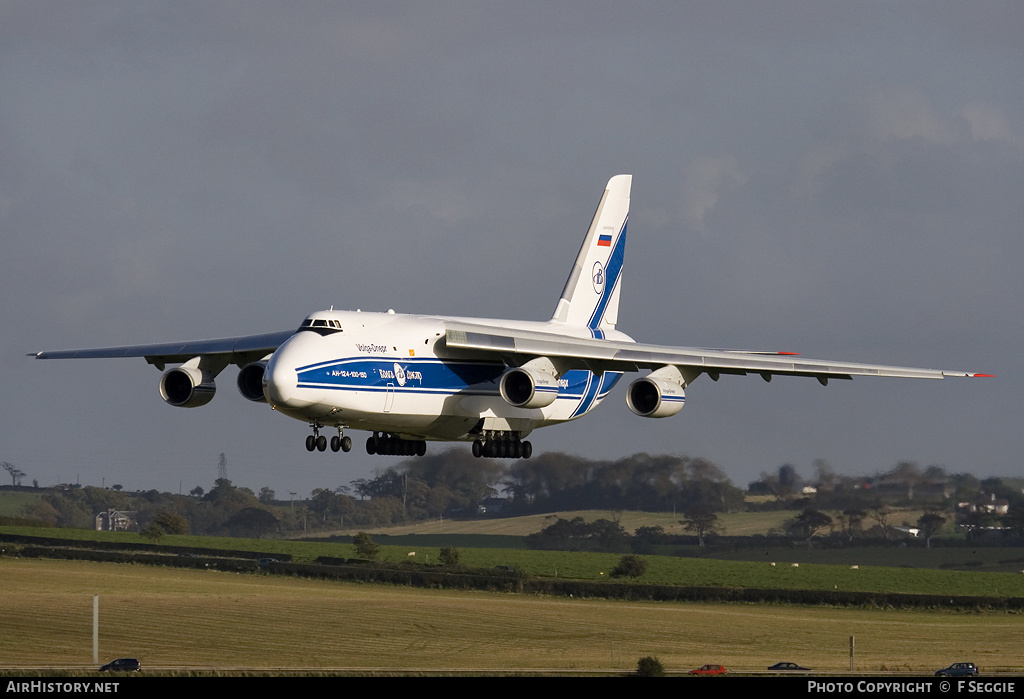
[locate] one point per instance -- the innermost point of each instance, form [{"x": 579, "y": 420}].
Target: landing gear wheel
[
  {"x": 321, "y": 443},
  {"x": 478, "y": 448},
  {"x": 335, "y": 443},
  {"x": 310, "y": 443},
  {"x": 421, "y": 448},
  {"x": 346, "y": 444},
  {"x": 371, "y": 445},
  {"x": 527, "y": 450}
]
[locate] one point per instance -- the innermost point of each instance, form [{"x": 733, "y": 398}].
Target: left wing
[
  {"x": 229, "y": 350},
  {"x": 609, "y": 355}
]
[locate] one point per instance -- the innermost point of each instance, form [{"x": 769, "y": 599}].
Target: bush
[
  {"x": 365, "y": 546},
  {"x": 450, "y": 556},
  {"x": 649, "y": 667},
  {"x": 630, "y": 567}
]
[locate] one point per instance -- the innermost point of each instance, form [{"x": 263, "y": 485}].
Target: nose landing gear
[{"x": 318, "y": 442}]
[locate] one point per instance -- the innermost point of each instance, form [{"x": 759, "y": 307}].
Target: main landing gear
[
  {"x": 318, "y": 442},
  {"x": 502, "y": 445},
  {"x": 390, "y": 445}
]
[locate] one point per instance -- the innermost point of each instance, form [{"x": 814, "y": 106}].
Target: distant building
[
  {"x": 116, "y": 521},
  {"x": 912, "y": 531},
  {"x": 992, "y": 506}
]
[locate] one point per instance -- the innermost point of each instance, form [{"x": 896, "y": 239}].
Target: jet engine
[
  {"x": 250, "y": 382},
  {"x": 659, "y": 394},
  {"x": 187, "y": 387},
  {"x": 533, "y": 385}
]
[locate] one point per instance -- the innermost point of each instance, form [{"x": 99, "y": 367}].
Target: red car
[{"x": 708, "y": 670}]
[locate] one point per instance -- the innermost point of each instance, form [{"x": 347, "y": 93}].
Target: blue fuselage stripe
[{"x": 439, "y": 377}]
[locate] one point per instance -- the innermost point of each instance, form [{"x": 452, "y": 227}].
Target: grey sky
[{"x": 842, "y": 180}]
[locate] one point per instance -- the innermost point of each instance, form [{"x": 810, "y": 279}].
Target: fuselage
[{"x": 393, "y": 373}]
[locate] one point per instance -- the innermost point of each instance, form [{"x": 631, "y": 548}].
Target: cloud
[
  {"x": 705, "y": 181},
  {"x": 989, "y": 123}
]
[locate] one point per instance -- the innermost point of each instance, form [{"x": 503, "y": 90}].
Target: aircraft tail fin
[{"x": 591, "y": 294}]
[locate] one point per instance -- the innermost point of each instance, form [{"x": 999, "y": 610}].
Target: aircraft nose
[
  {"x": 281, "y": 378},
  {"x": 279, "y": 382}
]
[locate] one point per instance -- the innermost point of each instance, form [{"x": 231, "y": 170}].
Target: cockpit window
[{"x": 321, "y": 326}]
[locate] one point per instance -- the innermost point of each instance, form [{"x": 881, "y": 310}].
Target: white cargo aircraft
[{"x": 409, "y": 379}]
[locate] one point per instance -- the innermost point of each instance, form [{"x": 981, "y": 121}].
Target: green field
[
  {"x": 185, "y": 619},
  {"x": 835, "y": 573}
]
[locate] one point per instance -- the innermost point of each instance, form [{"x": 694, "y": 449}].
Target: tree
[
  {"x": 16, "y": 474},
  {"x": 808, "y": 523},
  {"x": 609, "y": 536},
  {"x": 254, "y": 521},
  {"x": 702, "y": 522},
  {"x": 644, "y": 538},
  {"x": 630, "y": 566},
  {"x": 908, "y": 473},
  {"x": 576, "y": 535},
  {"x": 267, "y": 495},
  {"x": 930, "y": 524},
  {"x": 880, "y": 513},
  {"x": 152, "y": 532},
  {"x": 170, "y": 523},
  {"x": 850, "y": 521},
  {"x": 450, "y": 556},
  {"x": 824, "y": 476},
  {"x": 789, "y": 480},
  {"x": 366, "y": 546}
]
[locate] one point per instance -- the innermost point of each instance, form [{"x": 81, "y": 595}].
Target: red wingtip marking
[
  {"x": 789, "y": 354},
  {"x": 988, "y": 375}
]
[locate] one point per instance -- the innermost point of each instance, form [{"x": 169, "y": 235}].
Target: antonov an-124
[{"x": 410, "y": 379}]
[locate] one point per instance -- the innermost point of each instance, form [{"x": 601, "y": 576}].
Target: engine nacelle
[
  {"x": 659, "y": 394},
  {"x": 187, "y": 387},
  {"x": 250, "y": 382},
  {"x": 530, "y": 385}
]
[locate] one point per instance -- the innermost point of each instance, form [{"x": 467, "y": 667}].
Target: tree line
[{"x": 454, "y": 484}]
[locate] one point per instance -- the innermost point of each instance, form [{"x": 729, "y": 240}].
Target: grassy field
[
  {"x": 738, "y": 523},
  {"x": 183, "y": 619},
  {"x": 812, "y": 573},
  {"x": 13, "y": 504}
]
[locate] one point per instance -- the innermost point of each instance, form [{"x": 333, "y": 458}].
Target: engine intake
[
  {"x": 250, "y": 382},
  {"x": 659, "y": 394},
  {"x": 187, "y": 387},
  {"x": 528, "y": 387}
]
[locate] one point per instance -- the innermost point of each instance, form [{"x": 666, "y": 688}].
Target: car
[
  {"x": 788, "y": 667},
  {"x": 122, "y": 665},
  {"x": 709, "y": 670},
  {"x": 958, "y": 670}
]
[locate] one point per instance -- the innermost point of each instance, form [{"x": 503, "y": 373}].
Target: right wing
[{"x": 608, "y": 355}]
